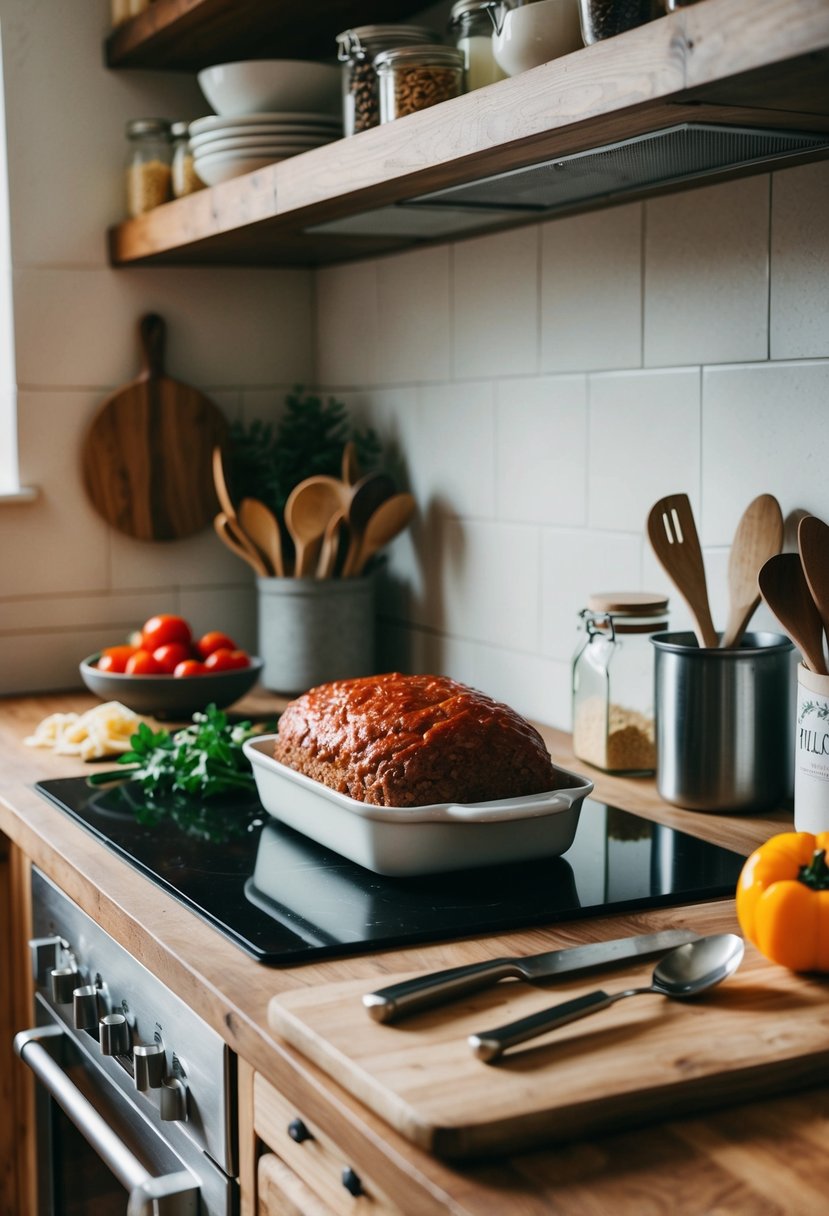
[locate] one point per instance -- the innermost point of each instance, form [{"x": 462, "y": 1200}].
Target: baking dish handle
[{"x": 531, "y": 807}]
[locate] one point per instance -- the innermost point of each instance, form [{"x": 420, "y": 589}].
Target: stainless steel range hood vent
[{"x": 676, "y": 154}]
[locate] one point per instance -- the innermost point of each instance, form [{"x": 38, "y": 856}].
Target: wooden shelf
[
  {"x": 185, "y": 35},
  {"x": 746, "y": 63}
]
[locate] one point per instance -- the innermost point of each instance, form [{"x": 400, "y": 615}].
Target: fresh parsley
[{"x": 204, "y": 759}]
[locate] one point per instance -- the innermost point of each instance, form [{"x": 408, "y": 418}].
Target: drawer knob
[
  {"x": 298, "y": 1131},
  {"x": 351, "y": 1181}
]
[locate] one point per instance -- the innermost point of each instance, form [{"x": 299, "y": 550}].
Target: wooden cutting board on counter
[
  {"x": 763, "y": 1031},
  {"x": 147, "y": 456}
]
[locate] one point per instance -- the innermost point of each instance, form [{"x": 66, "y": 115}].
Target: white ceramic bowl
[
  {"x": 536, "y": 33},
  {"x": 216, "y": 167},
  {"x": 411, "y": 840},
  {"x": 256, "y": 85},
  {"x": 206, "y": 145}
]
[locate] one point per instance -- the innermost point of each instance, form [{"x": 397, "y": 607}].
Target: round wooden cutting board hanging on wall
[{"x": 147, "y": 456}]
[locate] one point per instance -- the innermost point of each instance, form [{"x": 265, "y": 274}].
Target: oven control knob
[
  {"x": 115, "y": 1034},
  {"x": 148, "y": 1062},
  {"x": 45, "y": 956},
  {"x": 173, "y": 1101},
  {"x": 63, "y": 982},
  {"x": 85, "y": 1007}
]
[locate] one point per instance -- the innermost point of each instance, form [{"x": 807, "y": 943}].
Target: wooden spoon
[
  {"x": 262, "y": 526},
  {"x": 330, "y": 545},
  {"x": 784, "y": 588},
  {"x": 673, "y": 536},
  {"x": 309, "y": 509},
  {"x": 365, "y": 498},
  {"x": 390, "y": 518},
  {"x": 758, "y": 537},
  {"x": 813, "y": 543},
  {"x": 230, "y": 537},
  {"x": 350, "y": 467}
]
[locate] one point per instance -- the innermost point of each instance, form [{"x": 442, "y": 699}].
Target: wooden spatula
[
  {"x": 673, "y": 536},
  {"x": 758, "y": 537},
  {"x": 146, "y": 456},
  {"x": 813, "y": 543},
  {"x": 784, "y": 588}
]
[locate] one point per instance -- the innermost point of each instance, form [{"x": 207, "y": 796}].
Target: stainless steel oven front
[{"x": 136, "y": 1093}]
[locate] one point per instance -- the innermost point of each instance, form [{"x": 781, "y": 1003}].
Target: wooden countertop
[{"x": 768, "y": 1157}]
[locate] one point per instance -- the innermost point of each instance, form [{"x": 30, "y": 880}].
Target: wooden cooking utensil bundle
[
  {"x": 796, "y": 588},
  {"x": 335, "y": 525},
  {"x": 758, "y": 538}
]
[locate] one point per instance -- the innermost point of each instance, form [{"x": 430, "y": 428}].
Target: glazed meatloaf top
[{"x": 399, "y": 740}]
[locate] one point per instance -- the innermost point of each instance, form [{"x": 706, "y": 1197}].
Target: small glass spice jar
[
  {"x": 356, "y": 51},
  {"x": 472, "y": 23},
  {"x": 606, "y": 18},
  {"x": 414, "y": 78},
  {"x": 149, "y": 171},
  {"x": 184, "y": 178},
  {"x": 613, "y": 682}
]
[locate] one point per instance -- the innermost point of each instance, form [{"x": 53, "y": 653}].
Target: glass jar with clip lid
[{"x": 613, "y": 681}]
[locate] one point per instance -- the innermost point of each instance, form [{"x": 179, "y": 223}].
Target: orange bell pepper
[{"x": 783, "y": 900}]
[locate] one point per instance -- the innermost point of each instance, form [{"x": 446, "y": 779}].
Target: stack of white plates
[{"x": 227, "y": 147}]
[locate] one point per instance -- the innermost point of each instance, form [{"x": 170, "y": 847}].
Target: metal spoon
[
  {"x": 682, "y": 973},
  {"x": 784, "y": 588},
  {"x": 758, "y": 537}
]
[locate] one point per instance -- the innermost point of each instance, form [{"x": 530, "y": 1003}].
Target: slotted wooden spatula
[
  {"x": 146, "y": 458},
  {"x": 673, "y": 536}
]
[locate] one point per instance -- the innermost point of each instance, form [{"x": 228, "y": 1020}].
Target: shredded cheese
[{"x": 105, "y": 730}]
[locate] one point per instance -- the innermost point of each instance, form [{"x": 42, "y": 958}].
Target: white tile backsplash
[
  {"x": 800, "y": 262},
  {"x": 537, "y": 389},
  {"x": 541, "y": 450},
  {"x": 706, "y": 274},
  {"x": 591, "y": 291},
  {"x": 495, "y": 304},
  {"x": 644, "y": 442}
]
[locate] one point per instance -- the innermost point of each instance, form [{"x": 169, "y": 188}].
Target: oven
[{"x": 135, "y": 1094}]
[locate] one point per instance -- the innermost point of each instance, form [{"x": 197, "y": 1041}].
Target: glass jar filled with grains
[
  {"x": 149, "y": 173},
  {"x": 185, "y": 179},
  {"x": 472, "y": 23},
  {"x": 414, "y": 78},
  {"x": 356, "y": 51},
  {"x": 613, "y": 682}
]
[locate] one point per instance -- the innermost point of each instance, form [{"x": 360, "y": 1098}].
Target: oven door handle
[{"x": 174, "y": 1194}]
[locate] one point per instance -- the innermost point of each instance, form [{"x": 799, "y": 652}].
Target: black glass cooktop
[{"x": 285, "y": 899}]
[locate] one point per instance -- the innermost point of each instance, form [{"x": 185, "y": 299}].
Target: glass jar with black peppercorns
[{"x": 357, "y": 49}]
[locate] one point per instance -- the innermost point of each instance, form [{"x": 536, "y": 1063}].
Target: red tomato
[
  {"x": 226, "y": 660},
  {"x": 114, "y": 658},
  {"x": 169, "y": 656},
  {"x": 162, "y": 629},
  {"x": 215, "y": 640},
  {"x": 190, "y": 667},
  {"x": 143, "y": 663}
]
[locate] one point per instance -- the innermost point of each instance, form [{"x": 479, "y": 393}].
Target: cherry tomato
[
  {"x": 226, "y": 660},
  {"x": 143, "y": 663},
  {"x": 169, "y": 656},
  {"x": 114, "y": 658},
  {"x": 215, "y": 640},
  {"x": 162, "y": 629},
  {"x": 190, "y": 667}
]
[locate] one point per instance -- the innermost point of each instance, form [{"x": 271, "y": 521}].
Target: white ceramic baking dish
[{"x": 403, "y": 841}]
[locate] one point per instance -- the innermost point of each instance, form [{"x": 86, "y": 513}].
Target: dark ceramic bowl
[{"x": 177, "y": 697}]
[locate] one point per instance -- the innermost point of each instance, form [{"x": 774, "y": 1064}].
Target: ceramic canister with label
[{"x": 811, "y": 765}]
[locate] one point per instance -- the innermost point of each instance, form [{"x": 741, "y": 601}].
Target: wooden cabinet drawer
[
  {"x": 282, "y": 1193},
  {"x": 313, "y": 1158}
]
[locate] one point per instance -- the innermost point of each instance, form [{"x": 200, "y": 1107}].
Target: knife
[{"x": 424, "y": 991}]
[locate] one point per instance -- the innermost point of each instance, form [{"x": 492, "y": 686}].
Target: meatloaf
[{"x": 412, "y": 740}]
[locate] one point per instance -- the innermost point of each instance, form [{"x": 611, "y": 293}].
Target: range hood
[{"x": 679, "y": 154}]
